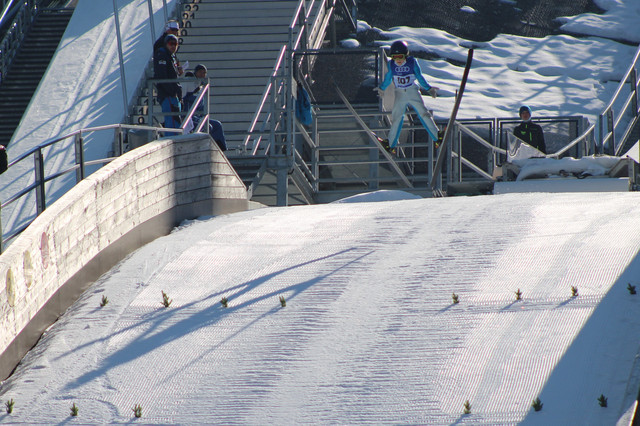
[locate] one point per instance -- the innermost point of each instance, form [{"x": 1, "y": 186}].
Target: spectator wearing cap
[
  {"x": 192, "y": 90},
  {"x": 171, "y": 28},
  {"x": 165, "y": 66},
  {"x": 528, "y": 131}
]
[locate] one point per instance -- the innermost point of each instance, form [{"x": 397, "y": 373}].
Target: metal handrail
[
  {"x": 40, "y": 179},
  {"x": 10, "y": 42},
  {"x": 608, "y": 112}
]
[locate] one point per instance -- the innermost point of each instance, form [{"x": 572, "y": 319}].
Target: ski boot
[
  {"x": 437, "y": 143},
  {"x": 385, "y": 145}
]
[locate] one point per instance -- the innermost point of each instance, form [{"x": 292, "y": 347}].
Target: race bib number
[{"x": 404, "y": 81}]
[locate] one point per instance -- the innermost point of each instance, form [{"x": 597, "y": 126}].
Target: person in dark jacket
[
  {"x": 172, "y": 28},
  {"x": 530, "y": 132},
  {"x": 165, "y": 66}
]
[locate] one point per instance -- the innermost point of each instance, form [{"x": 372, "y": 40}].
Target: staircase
[{"x": 28, "y": 67}]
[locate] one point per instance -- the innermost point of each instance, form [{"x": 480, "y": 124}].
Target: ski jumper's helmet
[
  {"x": 399, "y": 47},
  {"x": 525, "y": 108}
]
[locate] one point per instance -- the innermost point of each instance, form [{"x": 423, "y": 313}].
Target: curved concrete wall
[{"x": 129, "y": 202}]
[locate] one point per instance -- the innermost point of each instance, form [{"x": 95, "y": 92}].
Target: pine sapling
[
  {"x": 283, "y": 302},
  {"x": 631, "y": 288},
  {"x": 74, "y": 410},
  {"x": 518, "y": 295},
  {"x": 455, "y": 298},
  {"x": 602, "y": 400},
  {"x": 165, "y": 300},
  {"x": 137, "y": 410},
  {"x": 537, "y": 404},
  {"x": 574, "y": 291},
  {"x": 9, "y": 405},
  {"x": 104, "y": 301},
  {"x": 467, "y": 407},
  {"x": 224, "y": 302}
]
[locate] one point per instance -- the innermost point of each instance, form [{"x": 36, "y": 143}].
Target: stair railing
[
  {"x": 610, "y": 123},
  {"x": 25, "y": 12}
]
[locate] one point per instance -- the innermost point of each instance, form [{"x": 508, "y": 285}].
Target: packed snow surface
[{"x": 370, "y": 333}]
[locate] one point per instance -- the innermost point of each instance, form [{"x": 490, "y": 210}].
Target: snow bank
[
  {"x": 377, "y": 196},
  {"x": 619, "y": 22},
  {"x": 369, "y": 334}
]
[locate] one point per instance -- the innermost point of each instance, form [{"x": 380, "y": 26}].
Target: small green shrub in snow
[
  {"x": 137, "y": 410},
  {"x": 225, "y": 302},
  {"x": 602, "y": 400},
  {"x": 74, "y": 410},
  {"x": 467, "y": 407},
  {"x": 9, "y": 405},
  {"x": 537, "y": 404},
  {"x": 104, "y": 301},
  {"x": 518, "y": 295},
  {"x": 455, "y": 298},
  {"x": 283, "y": 302},
  {"x": 574, "y": 291},
  {"x": 165, "y": 300},
  {"x": 631, "y": 288}
]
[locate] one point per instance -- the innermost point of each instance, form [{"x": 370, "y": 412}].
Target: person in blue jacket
[
  {"x": 404, "y": 71},
  {"x": 165, "y": 66}
]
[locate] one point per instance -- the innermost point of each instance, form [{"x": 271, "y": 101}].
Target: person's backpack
[
  {"x": 303, "y": 106},
  {"x": 4, "y": 159}
]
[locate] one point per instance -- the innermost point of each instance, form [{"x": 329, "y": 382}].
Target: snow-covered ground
[{"x": 369, "y": 333}]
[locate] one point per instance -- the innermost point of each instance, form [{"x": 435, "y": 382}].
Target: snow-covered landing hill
[{"x": 369, "y": 333}]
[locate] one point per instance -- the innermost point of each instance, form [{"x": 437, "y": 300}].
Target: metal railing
[
  {"x": 610, "y": 123},
  {"x": 24, "y": 12},
  {"x": 36, "y": 155},
  {"x": 276, "y": 103}
]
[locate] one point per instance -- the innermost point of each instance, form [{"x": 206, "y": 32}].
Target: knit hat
[
  {"x": 200, "y": 67},
  {"x": 524, "y": 108},
  {"x": 170, "y": 37},
  {"x": 172, "y": 25}
]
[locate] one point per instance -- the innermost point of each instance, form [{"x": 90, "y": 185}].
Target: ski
[{"x": 452, "y": 119}]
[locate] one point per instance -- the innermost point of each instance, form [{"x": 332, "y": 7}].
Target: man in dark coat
[
  {"x": 530, "y": 132},
  {"x": 165, "y": 66}
]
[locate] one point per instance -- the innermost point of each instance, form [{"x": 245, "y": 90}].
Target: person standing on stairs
[
  {"x": 165, "y": 66},
  {"x": 405, "y": 73}
]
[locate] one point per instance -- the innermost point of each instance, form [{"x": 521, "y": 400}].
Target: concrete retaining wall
[{"x": 129, "y": 202}]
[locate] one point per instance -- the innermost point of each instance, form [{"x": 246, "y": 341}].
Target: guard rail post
[
  {"x": 38, "y": 160},
  {"x": 77, "y": 141},
  {"x": 612, "y": 130},
  {"x": 119, "y": 142}
]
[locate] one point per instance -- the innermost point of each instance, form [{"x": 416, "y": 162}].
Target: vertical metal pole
[
  {"x": 150, "y": 103},
  {"x": 152, "y": 23},
  {"x": 610, "y": 125},
  {"x": 315, "y": 155},
  {"x": 38, "y": 160},
  {"x": 164, "y": 9},
  {"x": 79, "y": 157},
  {"x": 125, "y": 101}
]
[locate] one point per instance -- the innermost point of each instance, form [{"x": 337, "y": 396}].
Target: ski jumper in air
[{"x": 403, "y": 70}]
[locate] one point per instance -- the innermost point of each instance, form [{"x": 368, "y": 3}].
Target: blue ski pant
[{"x": 403, "y": 98}]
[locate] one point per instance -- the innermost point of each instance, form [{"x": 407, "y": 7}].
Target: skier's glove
[
  {"x": 433, "y": 92},
  {"x": 379, "y": 91}
]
